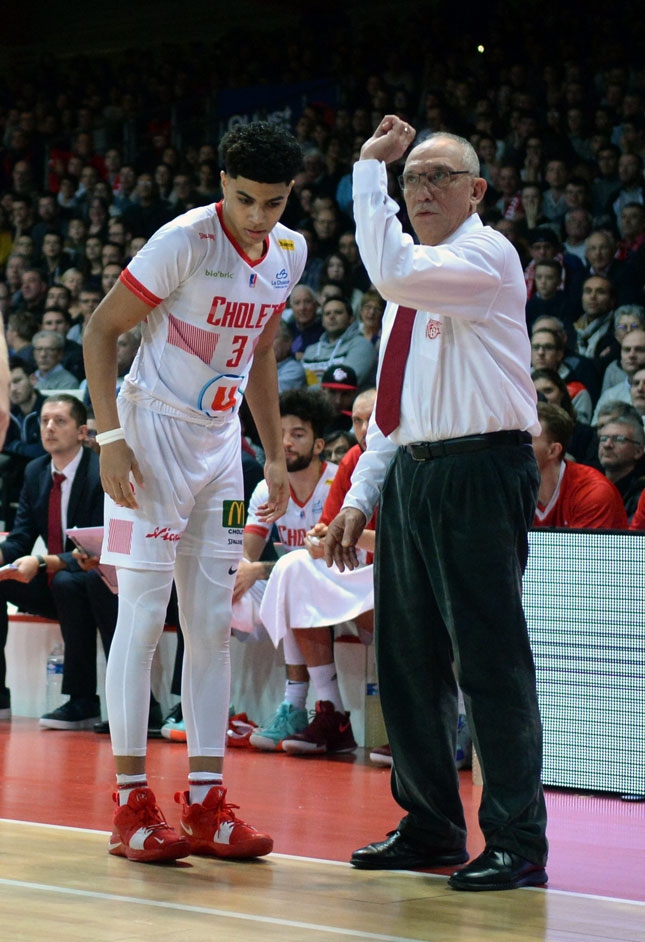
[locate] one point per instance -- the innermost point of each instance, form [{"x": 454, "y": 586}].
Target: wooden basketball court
[{"x": 58, "y": 882}]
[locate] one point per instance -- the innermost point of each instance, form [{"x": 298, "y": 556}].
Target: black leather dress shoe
[
  {"x": 397, "y": 853},
  {"x": 497, "y": 869}
]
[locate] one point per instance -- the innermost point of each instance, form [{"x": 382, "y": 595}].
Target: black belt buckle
[{"x": 425, "y": 451}]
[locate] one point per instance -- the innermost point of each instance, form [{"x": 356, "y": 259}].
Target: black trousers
[
  {"x": 451, "y": 550},
  {"x": 82, "y": 603}
]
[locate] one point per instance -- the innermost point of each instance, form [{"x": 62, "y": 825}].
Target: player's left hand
[
  {"x": 246, "y": 577},
  {"x": 314, "y": 541},
  {"x": 275, "y": 473}
]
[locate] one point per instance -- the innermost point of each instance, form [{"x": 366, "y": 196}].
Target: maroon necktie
[
  {"x": 390, "y": 384},
  {"x": 54, "y": 519}
]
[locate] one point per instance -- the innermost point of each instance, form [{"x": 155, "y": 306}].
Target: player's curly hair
[
  {"x": 310, "y": 405},
  {"x": 261, "y": 151}
]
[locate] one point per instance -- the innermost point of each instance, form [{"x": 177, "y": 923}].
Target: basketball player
[{"x": 209, "y": 288}]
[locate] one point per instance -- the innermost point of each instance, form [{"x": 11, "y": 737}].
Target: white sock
[
  {"x": 126, "y": 784},
  {"x": 200, "y": 783},
  {"x": 295, "y": 693},
  {"x": 325, "y": 681}
]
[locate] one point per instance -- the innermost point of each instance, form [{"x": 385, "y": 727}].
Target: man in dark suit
[{"x": 62, "y": 584}]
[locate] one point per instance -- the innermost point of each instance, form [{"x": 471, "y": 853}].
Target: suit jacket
[{"x": 85, "y": 507}]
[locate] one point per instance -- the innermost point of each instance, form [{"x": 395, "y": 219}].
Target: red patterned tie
[
  {"x": 54, "y": 518},
  {"x": 390, "y": 384}
]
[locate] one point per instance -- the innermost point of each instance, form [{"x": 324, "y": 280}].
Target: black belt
[{"x": 426, "y": 451}]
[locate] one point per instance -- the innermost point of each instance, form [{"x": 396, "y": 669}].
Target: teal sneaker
[
  {"x": 282, "y": 724},
  {"x": 174, "y": 728}
]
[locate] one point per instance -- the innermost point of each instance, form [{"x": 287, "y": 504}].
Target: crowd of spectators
[{"x": 97, "y": 152}]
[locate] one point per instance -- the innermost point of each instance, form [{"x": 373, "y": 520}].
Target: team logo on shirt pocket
[{"x": 433, "y": 329}]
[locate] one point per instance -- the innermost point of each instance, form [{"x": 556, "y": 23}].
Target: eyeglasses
[
  {"x": 436, "y": 179},
  {"x": 626, "y": 327},
  {"x": 545, "y": 347},
  {"x": 616, "y": 440}
]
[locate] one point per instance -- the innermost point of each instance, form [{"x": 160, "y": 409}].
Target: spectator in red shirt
[
  {"x": 571, "y": 495},
  {"x": 638, "y": 520}
]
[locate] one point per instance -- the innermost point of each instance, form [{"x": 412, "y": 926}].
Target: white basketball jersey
[
  {"x": 298, "y": 518},
  {"x": 209, "y": 304}
]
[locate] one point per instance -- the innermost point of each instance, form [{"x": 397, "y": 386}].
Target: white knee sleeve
[
  {"x": 143, "y": 599},
  {"x": 204, "y": 592}
]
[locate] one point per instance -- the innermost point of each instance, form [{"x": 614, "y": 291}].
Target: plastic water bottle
[{"x": 55, "y": 661}]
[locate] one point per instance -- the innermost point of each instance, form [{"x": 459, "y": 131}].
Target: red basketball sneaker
[
  {"x": 141, "y": 832},
  {"x": 239, "y": 731},
  {"x": 213, "y": 830},
  {"x": 329, "y": 731}
]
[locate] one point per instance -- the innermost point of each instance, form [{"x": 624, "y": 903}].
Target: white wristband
[{"x": 113, "y": 435}]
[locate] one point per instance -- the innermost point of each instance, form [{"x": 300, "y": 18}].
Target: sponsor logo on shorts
[
  {"x": 233, "y": 513},
  {"x": 163, "y": 533},
  {"x": 287, "y": 244}
]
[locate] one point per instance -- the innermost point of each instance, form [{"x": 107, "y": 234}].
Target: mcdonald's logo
[{"x": 233, "y": 513}]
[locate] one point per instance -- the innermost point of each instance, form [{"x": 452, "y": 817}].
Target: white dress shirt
[{"x": 468, "y": 370}]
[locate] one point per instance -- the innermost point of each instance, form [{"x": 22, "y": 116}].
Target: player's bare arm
[
  {"x": 118, "y": 312},
  {"x": 367, "y": 541},
  {"x": 262, "y": 396}
]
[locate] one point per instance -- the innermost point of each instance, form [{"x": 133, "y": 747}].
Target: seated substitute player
[
  {"x": 305, "y": 414},
  {"x": 209, "y": 289},
  {"x": 303, "y": 599},
  {"x": 571, "y": 494}
]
